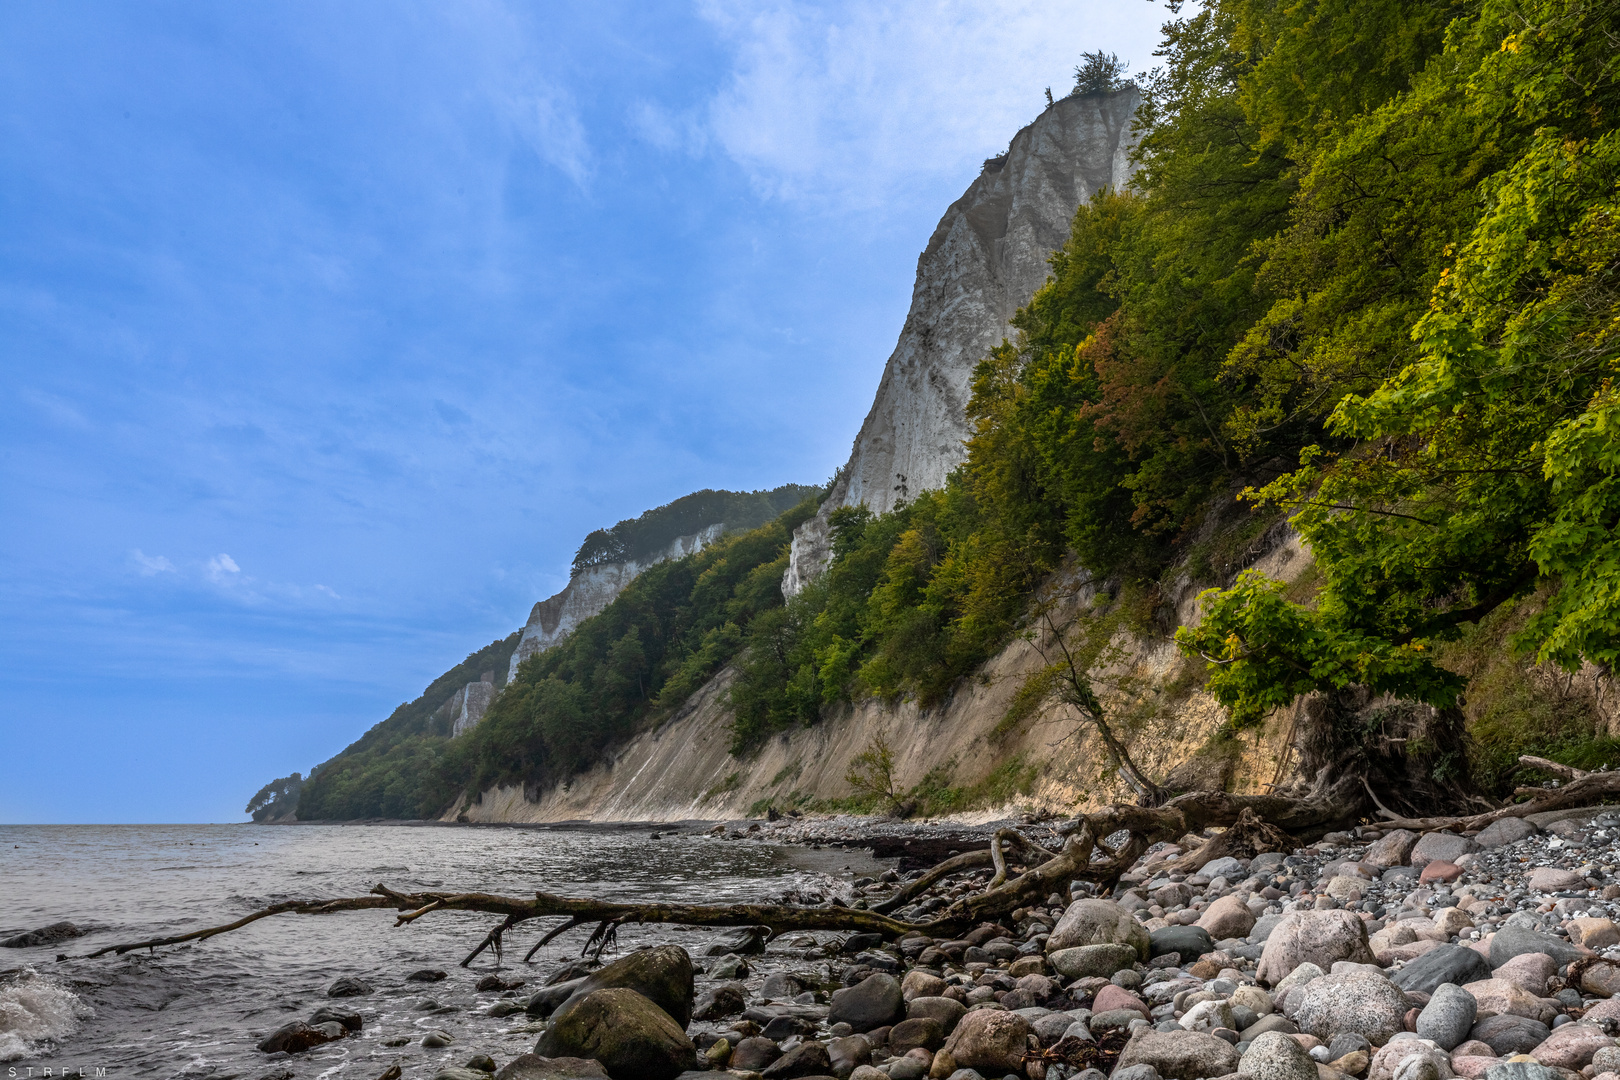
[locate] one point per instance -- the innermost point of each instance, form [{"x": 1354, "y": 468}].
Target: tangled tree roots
[{"x": 1252, "y": 824}]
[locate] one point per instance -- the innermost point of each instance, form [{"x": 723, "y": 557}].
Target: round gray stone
[
  {"x": 1275, "y": 1056},
  {"x": 1448, "y": 1017}
]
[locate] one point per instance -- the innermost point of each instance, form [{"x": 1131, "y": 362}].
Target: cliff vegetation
[{"x": 1366, "y": 282}]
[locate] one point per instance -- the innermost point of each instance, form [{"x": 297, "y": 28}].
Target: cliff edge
[{"x": 984, "y": 260}]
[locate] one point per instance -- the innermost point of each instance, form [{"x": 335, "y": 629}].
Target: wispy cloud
[
  {"x": 221, "y": 565},
  {"x": 57, "y": 410},
  {"x": 223, "y": 577},
  {"x": 847, "y": 103},
  {"x": 547, "y": 118},
  {"x": 151, "y": 565}
]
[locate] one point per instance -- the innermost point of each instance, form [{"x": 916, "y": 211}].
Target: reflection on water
[{"x": 197, "y": 1010}]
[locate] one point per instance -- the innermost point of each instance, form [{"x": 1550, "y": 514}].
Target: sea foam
[{"x": 35, "y": 1012}]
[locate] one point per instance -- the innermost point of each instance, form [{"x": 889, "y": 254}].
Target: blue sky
[{"x": 328, "y": 330}]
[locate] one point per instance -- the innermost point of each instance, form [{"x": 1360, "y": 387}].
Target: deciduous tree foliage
[
  {"x": 1366, "y": 273},
  {"x": 1484, "y": 467}
]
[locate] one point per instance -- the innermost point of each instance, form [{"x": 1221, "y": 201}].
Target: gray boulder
[
  {"x": 849, "y": 1053},
  {"x": 1511, "y": 941},
  {"x": 1505, "y": 831},
  {"x": 1391, "y": 849},
  {"x": 631, "y": 1036},
  {"x": 351, "y": 1021},
  {"x": 534, "y": 1067},
  {"x": 1508, "y": 1034},
  {"x": 724, "y": 1000},
  {"x": 1274, "y": 1022},
  {"x": 988, "y": 1039},
  {"x": 923, "y": 1031},
  {"x": 1136, "y": 1072},
  {"x": 1275, "y": 1056},
  {"x": 781, "y": 986},
  {"x": 1181, "y": 1055},
  {"x": 348, "y": 987},
  {"x": 753, "y": 1054},
  {"x": 296, "y": 1037},
  {"x": 1092, "y": 961},
  {"x": 743, "y": 941},
  {"x": 1442, "y": 847},
  {"x": 1357, "y": 1001},
  {"x": 1318, "y": 937},
  {"x": 1190, "y": 941},
  {"x": 1098, "y": 922},
  {"x": 806, "y": 1059},
  {"x": 948, "y": 1011},
  {"x": 1448, "y": 1017},
  {"x": 663, "y": 975},
  {"x": 45, "y": 935},
  {"x": 1226, "y": 867},
  {"x": 876, "y": 1001},
  {"x": 1442, "y": 964},
  {"x": 1520, "y": 1070}
]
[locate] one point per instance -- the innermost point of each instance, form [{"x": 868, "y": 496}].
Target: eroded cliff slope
[{"x": 986, "y": 257}]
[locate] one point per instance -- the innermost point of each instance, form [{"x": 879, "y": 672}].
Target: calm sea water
[{"x": 198, "y": 1010}]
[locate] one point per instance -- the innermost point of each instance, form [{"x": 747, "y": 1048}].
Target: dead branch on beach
[{"x": 1248, "y": 824}]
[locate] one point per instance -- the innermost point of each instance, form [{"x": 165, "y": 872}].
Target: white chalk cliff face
[
  {"x": 985, "y": 259},
  {"x": 470, "y": 703},
  {"x": 592, "y": 589}
]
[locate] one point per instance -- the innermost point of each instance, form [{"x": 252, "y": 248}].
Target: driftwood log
[{"x": 1250, "y": 824}]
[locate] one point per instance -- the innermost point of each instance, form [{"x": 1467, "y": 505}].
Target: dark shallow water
[{"x": 197, "y": 1010}]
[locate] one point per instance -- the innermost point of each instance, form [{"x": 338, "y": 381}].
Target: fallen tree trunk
[
  {"x": 1085, "y": 856},
  {"x": 1583, "y": 789}
]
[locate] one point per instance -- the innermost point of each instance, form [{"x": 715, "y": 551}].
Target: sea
[{"x": 199, "y": 1010}]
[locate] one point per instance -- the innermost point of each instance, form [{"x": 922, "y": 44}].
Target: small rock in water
[
  {"x": 45, "y": 935},
  {"x": 426, "y": 975},
  {"x": 722, "y": 1001},
  {"x": 351, "y": 1021},
  {"x": 729, "y": 967},
  {"x": 534, "y": 1067},
  {"x": 296, "y": 1037},
  {"x": 437, "y": 1038},
  {"x": 348, "y": 987},
  {"x": 746, "y": 941}
]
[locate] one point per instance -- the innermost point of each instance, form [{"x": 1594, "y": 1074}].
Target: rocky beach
[{"x": 1373, "y": 954}]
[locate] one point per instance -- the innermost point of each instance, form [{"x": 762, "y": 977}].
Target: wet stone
[{"x": 348, "y": 987}]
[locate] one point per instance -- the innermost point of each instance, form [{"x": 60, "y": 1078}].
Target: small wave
[{"x": 35, "y": 1012}]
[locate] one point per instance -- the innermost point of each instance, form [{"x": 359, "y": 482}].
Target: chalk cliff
[
  {"x": 986, "y": 257},
  {"x": 592, "y": 588},
  {"x": 683, "y": 768},
  {"x": 470, "y": 703}
]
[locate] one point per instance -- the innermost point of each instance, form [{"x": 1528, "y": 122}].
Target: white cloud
[
  {"x": 220, "y": 565},
  {"x": 669, "y": 130},
  {"x": 548, "y": 120},
  {"x": 844, "y": 103},
  {"x": 56, "y": 409},
  {"x": 151, "y": 565}
]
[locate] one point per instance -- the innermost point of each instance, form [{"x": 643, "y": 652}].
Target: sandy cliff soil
[{"x": 683, "y": 769}]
